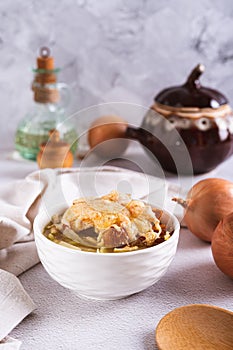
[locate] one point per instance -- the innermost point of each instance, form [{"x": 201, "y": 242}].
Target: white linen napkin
[
  {"x": 15, "y": 305},
  {"x": 19, "y": 204}
]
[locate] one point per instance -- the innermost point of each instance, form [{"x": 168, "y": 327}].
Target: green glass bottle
[{"x": 48, "y": 111}]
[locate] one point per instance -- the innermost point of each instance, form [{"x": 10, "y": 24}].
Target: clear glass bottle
[{"x": 48, "y": 112}]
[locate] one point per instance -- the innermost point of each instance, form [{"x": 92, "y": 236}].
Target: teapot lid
[{"x": 192, "y": 94}]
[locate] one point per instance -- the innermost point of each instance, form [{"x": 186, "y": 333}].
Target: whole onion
[
  {"x": 222, "y": 245},
  {"x": 207, "y": 202},
  {"x": 106, "y": 136}
]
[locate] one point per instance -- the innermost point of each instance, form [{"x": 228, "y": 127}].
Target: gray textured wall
[{"x": 112, "y": 50}]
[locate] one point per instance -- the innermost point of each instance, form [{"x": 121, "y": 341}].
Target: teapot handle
[
  {"x": 133, "y": 133},
  {"x": 139, "y": 134}
]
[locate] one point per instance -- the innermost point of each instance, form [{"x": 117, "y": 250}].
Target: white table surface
[{"x": 64, "y": 321}]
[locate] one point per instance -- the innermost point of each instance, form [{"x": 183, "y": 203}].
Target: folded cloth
[
  {"x": 9, "y": 343},
  {"x": 15, "y": 305},
  {"x": 19, "y": 257},
  {"x": 20, "y": 202},
  {"x": 16, "y": 201}
]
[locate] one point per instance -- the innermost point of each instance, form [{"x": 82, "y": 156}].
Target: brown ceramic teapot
[{"x": 189, "y": 118}]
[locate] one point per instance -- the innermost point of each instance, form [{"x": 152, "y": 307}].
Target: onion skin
[
  {"x": 207, "y": 203},
  {"x": 222, "y": 245}
]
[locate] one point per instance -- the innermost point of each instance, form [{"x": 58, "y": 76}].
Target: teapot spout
[{"x": 134, "y": 133}]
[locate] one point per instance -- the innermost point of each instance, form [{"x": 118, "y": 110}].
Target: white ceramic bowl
[{"x": 105, "y": 276}]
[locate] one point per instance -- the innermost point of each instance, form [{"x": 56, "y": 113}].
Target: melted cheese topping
[{"x": 113, "y": 210}]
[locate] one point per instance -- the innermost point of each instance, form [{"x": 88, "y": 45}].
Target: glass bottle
[{"x": 48, "y": 112}]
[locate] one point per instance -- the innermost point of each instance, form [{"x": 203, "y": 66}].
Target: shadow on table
[
  {"x": 195, "y": 284},
  {"x": 149, "y": 341},
  {"x": 188, "y": 241}
]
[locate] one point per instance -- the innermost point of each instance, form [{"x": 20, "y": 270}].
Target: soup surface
[{"x": 112, "y": 223}]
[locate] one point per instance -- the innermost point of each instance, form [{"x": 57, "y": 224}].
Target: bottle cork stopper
[
  {"x": 45, "y": 74},
  {"x": 54, "y": 136},
  {"x": 55, "y": 153},
  {"x": 45, "y": 61},
  {"x": 55, "y": 143}
]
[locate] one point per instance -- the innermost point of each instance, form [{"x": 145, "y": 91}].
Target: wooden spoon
[{"x": 197, "y": 327}]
